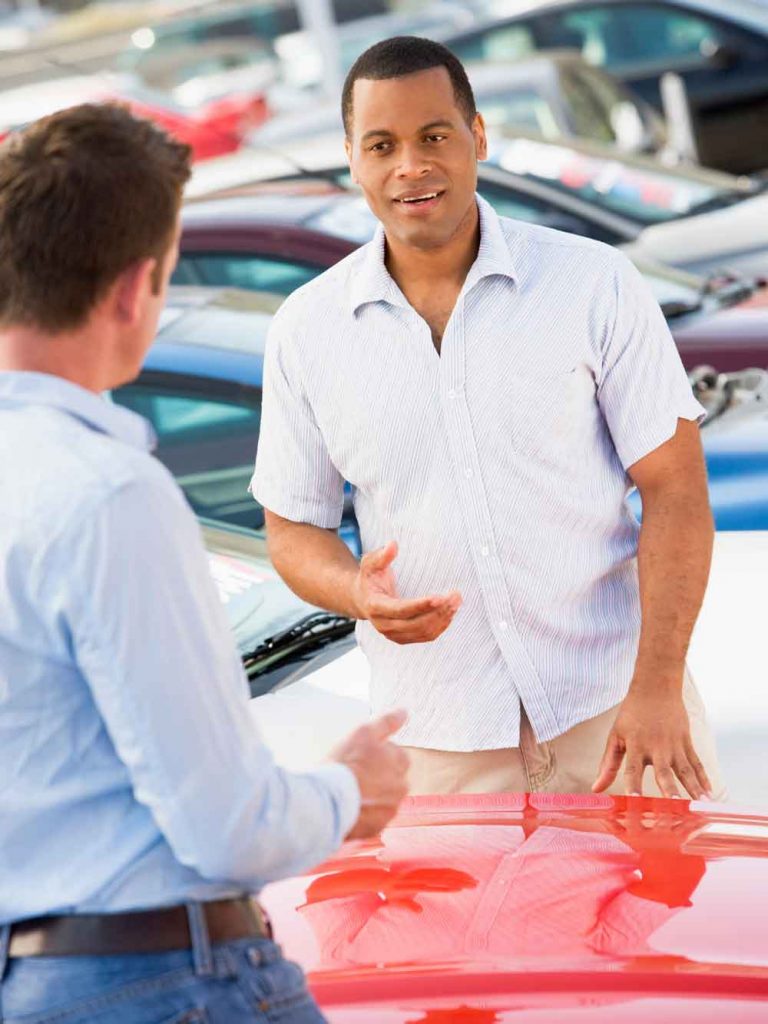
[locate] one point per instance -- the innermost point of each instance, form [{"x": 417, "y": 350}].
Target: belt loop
[
  {"x": 5, "y": 945},
  {"x": 202, "y": 954}
]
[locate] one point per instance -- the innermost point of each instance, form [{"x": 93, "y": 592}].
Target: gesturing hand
[
  {"x": 411, "y": 621},
  {"x": 652, "y": 728},
  {"x": 381, "y": 769}
]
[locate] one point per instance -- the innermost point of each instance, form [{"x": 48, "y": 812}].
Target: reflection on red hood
[{"x": 467, "y": 907}]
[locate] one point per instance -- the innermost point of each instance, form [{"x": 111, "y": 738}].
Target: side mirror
[{"x": 718, "y": 55}]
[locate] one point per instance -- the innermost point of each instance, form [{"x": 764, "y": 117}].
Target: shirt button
[
  {"x": 484, "y": 552},
  {"x": 503, "y": 626},
  {"x": 451, "y": 393},
  {"x": 254, "y": 956},
  {"x": 467, "y": 472}
]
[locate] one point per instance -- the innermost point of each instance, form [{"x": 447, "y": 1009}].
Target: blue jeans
[{"x": 232, "y": 983}]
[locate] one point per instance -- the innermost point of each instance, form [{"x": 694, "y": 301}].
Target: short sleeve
[
  {"x": 643, "y": 389},
  {"x": 294, "y": 475}
]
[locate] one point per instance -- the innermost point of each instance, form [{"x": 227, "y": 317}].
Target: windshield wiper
[{"x": 308, "y": 634}]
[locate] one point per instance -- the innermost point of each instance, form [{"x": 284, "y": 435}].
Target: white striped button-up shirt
[{"x": 499, "y": 466}]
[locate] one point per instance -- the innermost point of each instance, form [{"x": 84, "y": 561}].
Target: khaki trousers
[{"x": 566, "y": 764}]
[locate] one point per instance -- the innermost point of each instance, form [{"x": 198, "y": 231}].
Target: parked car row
[
  {"x": 201, "y": 390},
  {"x": 267, "y": 242},
  {"x": 702, "y": 221},
  {"x": 563, "y": 68}
]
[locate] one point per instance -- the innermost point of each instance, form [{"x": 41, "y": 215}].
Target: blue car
[{"x": 201, "y": 389}]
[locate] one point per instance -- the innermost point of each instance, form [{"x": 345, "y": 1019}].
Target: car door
[{"x": 724, "y": 67}]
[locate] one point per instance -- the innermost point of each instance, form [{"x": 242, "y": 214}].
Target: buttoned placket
[{"x": 474, "y": 503}]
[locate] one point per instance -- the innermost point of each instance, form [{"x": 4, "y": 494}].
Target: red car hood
[{"x": 513, "y": 908}]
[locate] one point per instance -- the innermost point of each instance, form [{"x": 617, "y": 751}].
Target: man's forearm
[
  {"x": 315, "y": 564},
  {"x": 674, "y": 557}
]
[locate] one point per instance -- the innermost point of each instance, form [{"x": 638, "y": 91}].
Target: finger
[
  {"x": 419, "y": 630},
  {"x": 388, "y": 724},
  {"x": 402, "y": 760},
  {"x": 610, "y": 764},
  {"x": 686, "y": 774},
  {"x": 633, "y": 776},
  {"x": 405, "y": 609},
  {"x": 376, "y": 561},
  {"x": 665, "y": 778},
  {"x": 698, "y": 767}
]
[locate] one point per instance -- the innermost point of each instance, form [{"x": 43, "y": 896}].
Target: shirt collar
[
  {"x": 373, "y": 283},
  {"x": 25, "y": 388}
]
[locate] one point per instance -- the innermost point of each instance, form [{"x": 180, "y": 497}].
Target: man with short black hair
[
  {"x": 491, "y": 389},
  {"x": 138, "y": 807}
]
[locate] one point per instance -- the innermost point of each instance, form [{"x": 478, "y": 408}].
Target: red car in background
[
  {"x": 214, "y": 129},
  {"x": 538, "y": 909}
]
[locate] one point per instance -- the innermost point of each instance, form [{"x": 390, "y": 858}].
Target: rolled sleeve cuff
[
  {"x": 297, "y": 510},
  {"x": 661, "y": 432},
  {"x": 342, "y": 783}
]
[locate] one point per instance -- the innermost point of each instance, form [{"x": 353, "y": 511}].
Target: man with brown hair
[{"x": 138, "y": 806}]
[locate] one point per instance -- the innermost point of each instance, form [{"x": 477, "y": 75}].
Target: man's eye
[
  {"x": 435, "y": 138},
  {"x": 378, "y": 147}
]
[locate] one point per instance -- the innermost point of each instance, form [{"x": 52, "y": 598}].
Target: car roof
[
  {"x": 750, "y": 13},
  {"x": 491, "y": 75},
  {"x": 323, "y": 212},
  {"x": 213, "y": 333},
  {"x": 269, "y": 208},
  {"x": 535, "y": 71},
  {"x": 258, "y": 162}
]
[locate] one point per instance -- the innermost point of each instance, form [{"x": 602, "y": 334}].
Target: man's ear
[
  {"x": 348, "y": 151},
  {"x": 131, "y": 290},
  {"x": 481, "y": 141}
]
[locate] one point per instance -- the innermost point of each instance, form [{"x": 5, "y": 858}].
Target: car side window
[
  {"x": 207, "y": 442},
  {"x": 626, "y": 37},
  {"x": 506, "y": 42},
  {"x": 521, "y": 108},
  {"x": 519, "y": 206},
  {"x": 243, "y": 270}
]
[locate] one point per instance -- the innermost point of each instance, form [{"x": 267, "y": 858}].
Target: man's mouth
[{"x": 419, "y": 198}]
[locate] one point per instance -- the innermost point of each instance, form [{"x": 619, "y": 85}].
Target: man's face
[{"x": 415, "y": 157}]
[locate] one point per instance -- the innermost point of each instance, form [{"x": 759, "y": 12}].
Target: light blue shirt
[
  {"x": 499, "y": 467},
  {"x": 131, "y": 773}
]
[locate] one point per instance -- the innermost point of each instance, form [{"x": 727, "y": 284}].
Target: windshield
[
  {"x": 521, "y": 107},
  {"x": 286, "y": 656},
  {"x": 647, "y": 195}
]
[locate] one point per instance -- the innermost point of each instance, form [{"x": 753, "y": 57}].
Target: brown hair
[{"x": 84, "y": 194}]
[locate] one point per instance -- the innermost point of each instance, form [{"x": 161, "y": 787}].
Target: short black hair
[{"x": 405, "y": 55}]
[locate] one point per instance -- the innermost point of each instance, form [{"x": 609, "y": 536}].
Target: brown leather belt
[{"x": 144, "y": 931}]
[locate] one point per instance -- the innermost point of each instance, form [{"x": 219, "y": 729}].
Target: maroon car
[{"x": 269, "y": 240}]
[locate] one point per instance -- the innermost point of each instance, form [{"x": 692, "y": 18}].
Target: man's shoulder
[
  {"x": 324, "y": 299},
  {"x": 63, "y": 469},
  {"x": 535, "y": 240}
]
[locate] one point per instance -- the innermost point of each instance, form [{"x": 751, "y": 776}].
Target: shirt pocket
[{"x": 545, "y": 410}]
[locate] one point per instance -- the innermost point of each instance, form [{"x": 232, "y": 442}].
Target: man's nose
[{"x": 412, "y": 163}]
